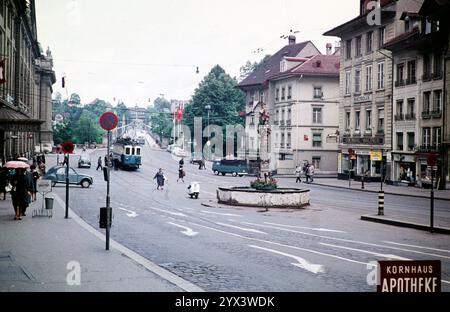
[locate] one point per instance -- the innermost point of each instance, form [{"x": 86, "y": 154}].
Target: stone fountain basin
[{"x": 279, "y": 198}]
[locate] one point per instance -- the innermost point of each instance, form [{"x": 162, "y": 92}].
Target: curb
[
  {"x": 376, "y": 192},
  {"x": 417, "y": 226}
]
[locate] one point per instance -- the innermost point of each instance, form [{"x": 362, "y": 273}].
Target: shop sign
[
  {"x": 362, "y": 98},
  {"x": 376, "y": 156}
]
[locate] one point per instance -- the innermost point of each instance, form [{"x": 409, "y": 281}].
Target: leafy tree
[
  {"x": 62, "y": 133},
  {"x": 87, "y": 128},
  {"x": 75, "y": 99},
  {"x": 250, "y": 67}
]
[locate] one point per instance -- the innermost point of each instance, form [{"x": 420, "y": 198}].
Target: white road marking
[
  {"x": 415, "y": 246},
  {"x": 240, "y": 228},
  {"x": 282, "y": 245},
  {"x": 187, "y": 231},
  {"x": 222, "y": 214},
  {"x": 179, "y": 214},
  {"x": 446, "y": 282},
  {"x": 393, "y": 257},
  {"x": 302, "y": 263},
  {"x": 152, "y": 267},
  {"x": 347, "y": 240},
  {"x": 130, "y": 213},
  {"x": 308, "y": 228}
]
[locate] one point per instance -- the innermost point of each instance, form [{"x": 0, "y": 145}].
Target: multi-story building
[
  {"x": 305, "y": 115},
  {"x": 366, "y": 90},
  {"x": 260, "y": 92},
  {"x": 26, "y": 79}
]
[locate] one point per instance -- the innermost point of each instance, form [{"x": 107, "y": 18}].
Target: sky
[{"x": 137, "y": 50}]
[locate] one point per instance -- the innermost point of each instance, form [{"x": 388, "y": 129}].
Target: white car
[{"x": 178, "y": 152}]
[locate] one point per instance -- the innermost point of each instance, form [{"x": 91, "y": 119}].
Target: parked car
[
  {"x": 196, "y": 158},
  {"x": 57, "y": 174},
  {"x": 84, "y": 162},
  {"x": 233, "y": 167}
]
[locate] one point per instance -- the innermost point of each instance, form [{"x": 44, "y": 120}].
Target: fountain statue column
[{"x": 264, "y": 133}]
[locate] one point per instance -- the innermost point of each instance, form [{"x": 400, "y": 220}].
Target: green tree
[
  {"x": 87, "y": 128},
  {"x": 75, "y": 99},
  {"x": 62, "y": 133},
  {"x": 250, "y": 67}
]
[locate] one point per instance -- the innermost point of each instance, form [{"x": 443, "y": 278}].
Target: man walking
[
  {"x": 99, "y": 163},
  {"x": 298, "y": 172},
  {"x": 311, "y": 172}
]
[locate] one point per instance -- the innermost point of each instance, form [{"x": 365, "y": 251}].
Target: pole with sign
[
  {"x": 108, "y": 121},
  {"x": 432, "y": 166},
  {"x": 67, "y": 148}
]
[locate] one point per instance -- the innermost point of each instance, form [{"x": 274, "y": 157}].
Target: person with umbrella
[{"x": 21, "y": 188}]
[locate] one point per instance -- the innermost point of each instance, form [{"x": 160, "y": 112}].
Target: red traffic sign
[
  {"x": 109, "y": 121},
  {"x": 67, "y": 147}
]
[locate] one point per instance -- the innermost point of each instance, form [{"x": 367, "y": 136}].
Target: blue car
[
  {"x": 233, "y": 167},
  {"x": 57, "y": 174}
]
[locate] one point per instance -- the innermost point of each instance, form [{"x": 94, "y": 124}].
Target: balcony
[
  {"x": 368, "y": 132},
  {"x": 411, "y": 81},
  {"x": 436, "y": 114},
  {"x": 380, "y": 132},
  {"x": 288, "y": 123},
  {"x": 429, "y": 148},
  {"x": 399, "y": 83},
  {"x": 282, "y": 123},
  {"x": 426, "y": 115},
  {"x": 276, "y": 122},
  {"x": 410, "y": 116},
  {"x": 282, "y": 145},
  {"x": 437, "y": 75},
  {"x": 426, "y": 77},
  {"x": 288, "y": 145},
  {"x": 399, "y": 117}
]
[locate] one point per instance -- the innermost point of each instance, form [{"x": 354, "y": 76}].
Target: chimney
[
  {"x": 291, "y": 39},
  {"x": 329, "y": 48}
]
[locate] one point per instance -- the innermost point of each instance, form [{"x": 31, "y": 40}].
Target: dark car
[
  {"x": 57, "y": 174},
  {"x": 233, "y": 167},
  {"x": 84, "y": 162}
]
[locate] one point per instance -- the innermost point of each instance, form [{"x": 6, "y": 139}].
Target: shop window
[{"x": 316, "y": 163}]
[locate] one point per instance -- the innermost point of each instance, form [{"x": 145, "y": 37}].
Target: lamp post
[{"x": 208, "y": 109}]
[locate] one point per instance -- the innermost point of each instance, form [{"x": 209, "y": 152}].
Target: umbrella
[
  {"x": 22, "y": 159},
  {"x": 16, "y": 164}
]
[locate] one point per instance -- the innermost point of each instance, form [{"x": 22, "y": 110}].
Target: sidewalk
[
  {"x": 35, "y": 254},
  {"x": 374, "y": 187}
]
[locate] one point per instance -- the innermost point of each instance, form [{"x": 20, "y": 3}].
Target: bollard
[{"x": 381, "y": 203}]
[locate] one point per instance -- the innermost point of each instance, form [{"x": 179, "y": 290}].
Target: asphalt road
[{"x": 325, "y": 247}]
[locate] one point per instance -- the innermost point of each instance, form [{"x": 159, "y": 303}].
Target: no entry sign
[{"x": 109, "y": 121}]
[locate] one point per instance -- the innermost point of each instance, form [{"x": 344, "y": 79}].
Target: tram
[{"x": 126, "y": 154}]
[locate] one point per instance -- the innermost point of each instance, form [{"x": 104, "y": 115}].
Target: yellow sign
[{"x": 376, "y": 156}]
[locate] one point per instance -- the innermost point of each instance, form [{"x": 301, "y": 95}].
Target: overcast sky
[{"x": 136, "y": 50}]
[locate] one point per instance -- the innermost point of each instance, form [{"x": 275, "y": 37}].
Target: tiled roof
[
  {"x": 402, "y": 37},
  {"x": 319, "y": 65},
  {"x": 271, "y": 67}
]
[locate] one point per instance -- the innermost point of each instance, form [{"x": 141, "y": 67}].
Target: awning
[{"x": 11, "y": 120}]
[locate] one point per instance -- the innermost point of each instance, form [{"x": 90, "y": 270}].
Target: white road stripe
[
  {"x": 240, "y": 228},
  {"x": 179, "y": 214},
  {"x": 282, "y": 245},
  {"x": 152, "y": 267},
  {"x": 130, "y": 213},
  {"x": 394, "y": 257},
  {"x": 187, "y": 231},
  {"x": 302, "y": 263},
  {"x": 415, "y": 246},
  {"x": 222, "y": 214},
  {"x": 347, "y": 240},
  {"x": 308, "y": 228}
]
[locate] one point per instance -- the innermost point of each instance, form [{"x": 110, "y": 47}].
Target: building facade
[
  {"x": 25, "y": 83},
  {"x": 366, "y": 91}
]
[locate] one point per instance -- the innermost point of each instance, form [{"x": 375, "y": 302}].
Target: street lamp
[{"x": 208, "y": 108}]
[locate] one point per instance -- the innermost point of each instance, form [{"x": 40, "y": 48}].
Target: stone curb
[{"x": 411, "y": 225}]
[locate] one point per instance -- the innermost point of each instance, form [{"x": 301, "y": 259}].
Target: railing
[
  {"x": 288, "y": 145},
  {"x": 426, "y": 77},
  {"x": 430, "y": 148},
  {"x": 411, "y": 116},
  {"x": 426, "y": 115},
  {"x": 282, "y": 123},
  {"x": 436, "y": 114},
  {"x": 411, "y": 80},
  {"x": 399, "y": 117},
  {"x": 399, "y": 83},
  {"x": 282, "y": 145},
  {"x": 276, "y": 122},
  {"x": 368, "y": 132},
  {"x": 288, "y": 123},
  {"x": 438, "y": 75}
]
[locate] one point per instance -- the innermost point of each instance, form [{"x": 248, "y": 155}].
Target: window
[
  {"x": 261, "y": 96},
  {"x": 399, "y": 109},
  {"x": 357, "y": 120},
  {"x": 347, "y": 82},
  {"x": 277, "y": 94},
  {"x": 318, "y": 92},
  {"x": 347, "y": 120},
  {"x": 282, "y": 114},
  {"x": 426, "y": 67},
  {"x": 317, "y": 115},
  {"x": 400, "y": 141},
  {"x": 357, "y": 81},
  {"x": 289, "y": 93},
  {"x": 368, "y": 119},
  {"x": 283, "y": 93},
  {"x": 358, "y": 46},
  {"x": 369, "y": 42},
  {"x": 381, "y": 36},
  {"x": 380, "y": 76},
  {"x": 127, "y": 151},
  {"x": 411, "y": 72},
  {"x": 138, "y": 151},
  {"x": 426, "y": 137},
  {"x": 381, "y": 120},
  {"x": 282, "y": 140},
  {"x": 437, "y": 137},
  {"x": 400, "y": 75},
  {"x": 369, "y": 78},
  {"x": 316, "y": 162},
  {"x": 411, "y": 139},
  {"x": 289, "y": 140},
  {"x": 289, "y": 114},
  {"x": 277, "y": 114},
  {"x": 348, "y": 49},
  {"x": 437, "y": 70},
  {"x": 410, "y": 109},
  {"x": 317, "y": 139},
  {"x": 407, "y": 24},
  {"x": 426, "y": 102},
  {"x": 437, "y": 101}
]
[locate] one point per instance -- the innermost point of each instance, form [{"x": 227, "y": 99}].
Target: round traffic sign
[
  {"x": 109, "y": 121},
  {"x": 67, "y": 147}
]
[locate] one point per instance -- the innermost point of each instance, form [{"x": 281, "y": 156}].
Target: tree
[
  {"x": 160, "y": 116},
  {"x": 87, "y": 129},
  {"x": 250, "y": 67},
  {"x": 75, "y": 99},
  {"x": 162, "y": 105}
]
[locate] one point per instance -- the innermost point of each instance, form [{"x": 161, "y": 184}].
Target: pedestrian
[
  {"x": 106, "y": 164},
  {"x": 20, "y": 193},
  {"x": 306, "y": 172},
  {"x": 181, "y": 174},
  {"x": 298, "y": 172},
  {"x": 311, "y": 172},
  {"x": 3, "y": 181},
  {"x": 160, "y": 178},
  {"x": 202, "y": 164},
  {"x": 99, "y": 163},
  {"x": 35, "y": 177},
  {"x": 181, "y": 162}
]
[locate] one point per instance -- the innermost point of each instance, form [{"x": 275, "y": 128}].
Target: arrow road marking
[
  {"x": 130, "y": 213},
  {"x": 240, "y": 228},
  {"x": 187, "y": 231},
  {"x": 304, "y": 227},
  {"x": 302, "y": 263},
  {"x": 366, "y": 251},
  {"x": 222, "y": 214}
]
